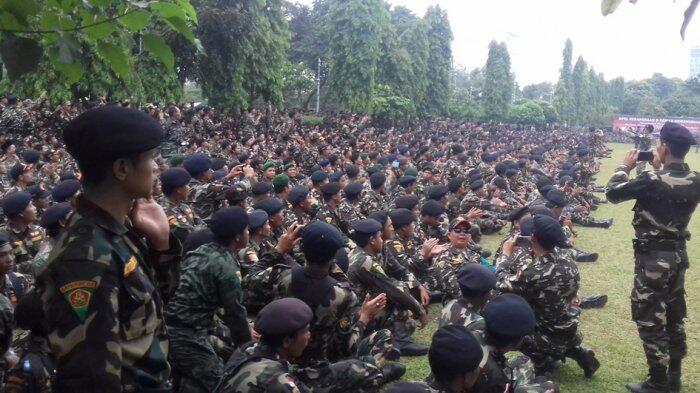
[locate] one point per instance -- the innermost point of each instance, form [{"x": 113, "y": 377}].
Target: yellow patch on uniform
[
  {"x": 130, "y": 266},
  {"x": 344, "y": 322},
  {"x": 456, "y": 261},
  {"x": 17, "y": 243},
  {"x": 171, "y": 220},
  {"x": 329, "y": 219},
  {"x": 398, "y": 246},
  {"x": 378, "y": 267}
]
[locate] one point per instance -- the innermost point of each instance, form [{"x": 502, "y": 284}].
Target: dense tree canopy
[{"x": 498, "y": 82}]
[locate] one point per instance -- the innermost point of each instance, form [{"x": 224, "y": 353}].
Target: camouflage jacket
[
  {"x": 26, "y": 244},
  {"x": 205, "y": 198},
  {"x": 349, "y": 211},
  {"x": 16, "y": 122},
  {"x": 182, "y": 219},
  {"x": 330, "y": 215},
  {"x": 549, "y": 284},
  {"x": 210, "y": 280},
  {"x": 372, "y": 201},
  {"x": 367, "y": 276},
  {"x": 403, "y": 261},
  {"x": 438, "y": 232},
  {"x": 445, "y": 269},
  {"x": 102, "y": 307},
  {"x": 665, "y": 200},
  {"x": 296, "y": 215},
  {"x": 460, "y": 312}
]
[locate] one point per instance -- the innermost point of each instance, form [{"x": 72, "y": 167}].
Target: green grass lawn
[{"x": 609, "y": 331}]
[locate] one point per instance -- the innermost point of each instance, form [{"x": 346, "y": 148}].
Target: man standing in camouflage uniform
[
  {"x": 101, "y": 304},
  {"x": 665, "y": 200},
  {"x": 643, "y": 143},
  {"x": 211, "y": 279}
]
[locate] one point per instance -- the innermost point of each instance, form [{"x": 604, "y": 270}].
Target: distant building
[{"x": 694, "y": 62}]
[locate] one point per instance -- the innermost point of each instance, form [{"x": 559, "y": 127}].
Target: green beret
[
  {"x": 268, "y": 164},
  {"x": 280, "y": 181}
]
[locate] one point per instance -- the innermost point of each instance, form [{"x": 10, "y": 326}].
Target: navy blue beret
[
  {"x": 297, "y": 194},
  {"x": 324, "y": 162},
  {"x": 367, "y": 226},
  {"x": 549, "y": 232},
  {"x": 476, "y": 184},
  {"x": 380, "y": 216},
  {"x": 676, "y": 133},
  {"x": 454, "y": 351},
  {"x": 261, "y": 188},
  {"x": 256, "y": 219},
  {"x": 320, "y": 242},
  {"x": 508, "y": 318},
  {"x": 51, "y": 218},
  {"x": 218, "y": 163},
  {"x": 38, "y": 191},
  {"x": 539, "y": 210},
  {"x": 500, "y": 183},
  {"x": 228, "y": 222},
  {"x": 14, "y": 204},
  {"x": 4, "y": 239},
  {"x": 19, "y": 169},
  {"x": 30, "y": 156},
  {"x": 218, "y": 175},
  {"x": 196, "y": 239},
  {"x": 336, "y": 176},
  {"x": 556, "y": 198},
  {"x": 283, "y": 317},
  {"x": 196, "y": 164},
  {"x": 318, "y": 176},
  {"x": 517, "y": 214},
  {"x": 67, "y": 175},
  {"x": 174, "y": 178},
  {"x": 65, "y": 190},
  {"x": 475, "y": 279},
  {"x": 527, "y": 226},
  {"x": 110, "y": 132},
  {"x": 271, "y": 206},
  {"x": 401, "y": 217},
  {"x": 352, "y": 190},
  {"x": 408, "y": 201},
  {"x": 377, "y": 180},
  {"x": 437, "y": 192},
  {"x": 352, "y": 170},
  {"x": 406, "y": 181},
  {"x": 330, "y": 189},
  {"x": 455, "y": 183},
  {"x": 432, "y": 208}
]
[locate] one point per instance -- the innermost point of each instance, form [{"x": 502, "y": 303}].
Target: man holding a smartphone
[{"x": 666, "y": 198}]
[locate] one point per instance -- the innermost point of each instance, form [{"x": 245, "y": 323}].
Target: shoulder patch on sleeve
[
  {"x": 78, "y": 294},
  {"x": 398, "y": 246}
]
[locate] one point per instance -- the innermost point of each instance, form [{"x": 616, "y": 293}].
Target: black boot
[
  {"x": 587, "y": 257},
  {"x": 403, "y": 342},
  {"x": 674, "y": 375},
  {"x": 393, "y": 372},
  {"x": 585, "y": 358},
  {"x": 597, "y": 301},
  {"x": 657, "y": 382}
]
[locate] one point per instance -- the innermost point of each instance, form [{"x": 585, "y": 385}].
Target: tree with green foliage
[
  {"x": 550, "y": 114},
  {"x": 498, "y": 82},
  {"x": 412, "y": 33},
  {"x": 539, "y": 91},
  {"x": 527, "y": 113},
  {"x": 70, "y": 49},
  {"x": 580, "y": 92},
  {"x": 439, "y": 62},
  {"x": 563, "y": 98},
  {"x": 617, "y": 93}
]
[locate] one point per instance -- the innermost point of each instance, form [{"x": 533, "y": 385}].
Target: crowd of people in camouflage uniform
[{"x": 295, "y": 258}]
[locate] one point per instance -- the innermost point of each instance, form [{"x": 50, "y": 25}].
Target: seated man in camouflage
[
  {"x": 455, "y": 256},
  {"x": 264, "y": 366},
  {"x": 475, "y": 283}
]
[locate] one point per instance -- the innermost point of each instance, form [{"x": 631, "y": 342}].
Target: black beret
[
  {"x": 676, "y": 133},
  {"x": 501, "y": 168},
  {"x": 527, "y": 226},
  {"x": 511, "y": 172},
  {"x": 508, "y": 318},
  {"x": 330, "y": 189},
  {"x": 500, "y": 183},
  {"x": 475, "y": 171},
  {"x": 377, "y": 180},
  {"x": 336, "y": 176},
  {"x": 352, "y": 190},
  {"x": 67, "y": 176},
  {"x": 52, "y": 216},
  {"x": 352, "y": 170},
  {"x": 545, "y": 189},
  {"x": 565, "y": 179},
  {"x": 4, "y": 238},
  {"x": 367, "y": 226},
  {"x": 454, "y": 351},
  {"x": 401, "y": 217},
  {"x": 408, "y": 201},
  {"x": 65, "y": 190},
  {"x": 556, "y": 198},
  {"x": 476, "y": 184},
  {"x": 19, "y": 169},
  {"x": 537, "y": 210},
  {"x": 320, "y": 242},
  {"x": 517, "y": 214},
  {"x": 380, "y": 216},
  {"x": 14, "y": 204},
  {"x": 217, "y": 163},
  {"x": 406, "y": 181},
  {"x": 543, "y": 181},
  {"x": 341, "y": 259},
  {"x": 271, "y": 206},
  {"x": 297, "y": 194},
  {"x": 174, "y": 178},
  {"x": 256, "y": 219},
  {"x": 437, "y": 192},
  {"x": 549, "y": 232},
  {"x": 218, "y": 175},
  {"x": 432, "y": 208},
  {"x": 196, "y": 239},
  {"x": 455, "y": 183},
  {"x": 110, "y": 132},
  {"x": 228, "y": 222},
  {"x": 318, "y": 176},
  {"x": 475, "y": 279},
  {"x": 196, "y": 164},
  {"x": 30, "y": 156},
  {"x": 261, "y": 188},
  {"x": 283, "y": 317},
  {"x": 38, "y": 191}
]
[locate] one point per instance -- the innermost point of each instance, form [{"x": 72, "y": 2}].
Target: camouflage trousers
[
  {"x": 522, "y": 373},
  {"x": 543, "y": 346},
  {"x": 377, "y": 348},
  {"x": 343, "y": 376},
  {"x": 658, "y": 304},
  {"x": 488, "y": 225},
  {"x": 193, "y": 360}
]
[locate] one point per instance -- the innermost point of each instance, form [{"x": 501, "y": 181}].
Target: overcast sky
[{"x": 634, "y": 42}]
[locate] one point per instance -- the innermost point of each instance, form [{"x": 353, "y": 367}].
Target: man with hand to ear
[{"x": 665, "y": 199}]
